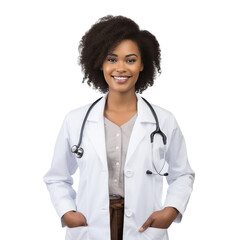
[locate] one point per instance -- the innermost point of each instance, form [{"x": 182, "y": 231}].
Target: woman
[{"x": 121, "y": 171}]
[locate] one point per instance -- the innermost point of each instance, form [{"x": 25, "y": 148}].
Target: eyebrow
[{"x": 115, "y": 55}]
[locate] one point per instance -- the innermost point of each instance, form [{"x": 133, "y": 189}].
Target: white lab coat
[{"x": 143, "y": 193}]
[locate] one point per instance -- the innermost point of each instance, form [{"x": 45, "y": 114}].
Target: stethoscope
[{"x": 78, "y": 150}]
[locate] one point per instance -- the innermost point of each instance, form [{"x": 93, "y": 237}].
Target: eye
[
  {"x": 112, "y": 60},
  {"x": 132, "y": 60}
]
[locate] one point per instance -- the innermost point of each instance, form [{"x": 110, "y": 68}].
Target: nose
[{"x": 120, "y": 67}]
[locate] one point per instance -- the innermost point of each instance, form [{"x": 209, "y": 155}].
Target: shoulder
[
  {"x": 165, "y": 116},
  {"x": 158, "y": 110},
  {"x": 78, "y": 111},
  {"x": 167, "y": 121},
  {"x": 76, "y": 115},
  {"x": 162, "y": 111}
]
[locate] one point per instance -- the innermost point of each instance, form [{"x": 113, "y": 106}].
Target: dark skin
[
  {"x": 120, "y": 107},
  {"x": 74, "y": 219},
  {"x": 160, "y": 219}
]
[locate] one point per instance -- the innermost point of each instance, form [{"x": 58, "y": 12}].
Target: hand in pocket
[
  {"x": 74, "y": 219},
  {"x": 160, "y": 219}
]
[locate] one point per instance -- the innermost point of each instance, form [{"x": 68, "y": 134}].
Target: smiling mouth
[{"x": 121, "y": 79}]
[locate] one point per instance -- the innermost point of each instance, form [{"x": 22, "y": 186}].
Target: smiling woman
[{"x": 118, "y": 196}]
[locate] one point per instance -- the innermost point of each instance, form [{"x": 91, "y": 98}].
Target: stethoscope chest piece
[{"x": 77, "y": 150}]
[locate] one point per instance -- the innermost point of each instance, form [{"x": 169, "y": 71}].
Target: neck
[{"x": 121, "y": 102}]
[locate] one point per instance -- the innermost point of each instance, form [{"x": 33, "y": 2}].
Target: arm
[
  {"x": 181, "y": 177},
  {"x": 180, "y": 180},
  {"x": 58, "y": 179}
]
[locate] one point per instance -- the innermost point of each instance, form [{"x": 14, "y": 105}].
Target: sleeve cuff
[
  {"x": 172, "y": 201},
  {"x": 178, "y": 219},
  {"x": 66, "y": 207}
]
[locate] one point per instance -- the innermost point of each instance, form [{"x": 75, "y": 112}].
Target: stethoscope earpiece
[{"x": 150, "y": 172}]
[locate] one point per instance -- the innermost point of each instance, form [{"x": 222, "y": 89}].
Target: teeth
[{"x": 121, "y": 78}]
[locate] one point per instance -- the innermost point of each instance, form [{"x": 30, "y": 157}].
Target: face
[{"x": 122, "y": 66}]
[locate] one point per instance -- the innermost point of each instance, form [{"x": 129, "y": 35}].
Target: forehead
[{"x": 126, "y": 46}]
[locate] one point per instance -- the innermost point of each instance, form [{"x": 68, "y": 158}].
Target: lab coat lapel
[
  {"x": 96, "y": 131},
  {"x": 140, "y": 127}
]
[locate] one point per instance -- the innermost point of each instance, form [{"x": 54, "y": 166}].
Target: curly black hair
[{"x": 104, "y": 36}]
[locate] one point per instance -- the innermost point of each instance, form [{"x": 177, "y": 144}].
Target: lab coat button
[
  {"x": 129, "y": 173},
  {"x": 128, "y": 213}
]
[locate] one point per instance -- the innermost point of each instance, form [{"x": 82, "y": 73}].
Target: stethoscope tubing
[{"x": 78, "y": 150}]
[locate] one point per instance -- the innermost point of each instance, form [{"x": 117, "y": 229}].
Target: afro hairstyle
[{"x": 104, "y": 36}]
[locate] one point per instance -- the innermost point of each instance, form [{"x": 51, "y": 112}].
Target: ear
[{"x": 142, "y": 67}]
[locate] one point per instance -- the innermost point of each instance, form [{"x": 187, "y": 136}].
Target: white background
[{"x": 41, "y": 82}]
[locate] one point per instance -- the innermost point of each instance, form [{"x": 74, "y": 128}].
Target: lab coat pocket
[
  {"x": 77, "y": 233},
  {"x": 156, "y": 234}
]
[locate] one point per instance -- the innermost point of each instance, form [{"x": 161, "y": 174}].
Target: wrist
[
  {"x": 171, "y": 212},
  {"x": 69, "y": 213}
]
